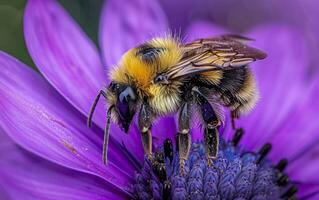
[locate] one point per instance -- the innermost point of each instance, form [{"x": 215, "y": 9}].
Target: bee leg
[
  {"x": 147, "y": 143},
  {"x": 96, "y": 100},
  {"x": 211, "y": 139},
  {"x": 145, "y": 120},
  {"x": 183, "y": 137},
  {"x": 233, "y": 117},
  {"x": 211, "y": 135}
]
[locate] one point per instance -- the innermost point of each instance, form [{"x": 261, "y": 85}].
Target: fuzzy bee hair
[
  {"x": 141, "y": 65},
  {"x": 234, "y": 87},
  {"x": 164, "y": 76}
]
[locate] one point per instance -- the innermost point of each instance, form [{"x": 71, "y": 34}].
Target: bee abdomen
[{"x": 238, "y": 90}]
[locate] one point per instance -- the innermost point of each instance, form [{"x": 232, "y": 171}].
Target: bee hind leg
[
  {"x": 211, "y": 138},
  {"x": 211, "y": 134},
  {"x": 183, "y": 136},
  {"x": 145, "y": 120}
]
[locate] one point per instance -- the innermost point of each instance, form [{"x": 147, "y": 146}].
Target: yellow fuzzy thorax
[{"x": 133, "y": 70}]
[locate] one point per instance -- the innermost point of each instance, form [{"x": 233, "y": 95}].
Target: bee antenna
[
  {"x": 106, "y": 135},
  {"x": 96, "y": 100}
]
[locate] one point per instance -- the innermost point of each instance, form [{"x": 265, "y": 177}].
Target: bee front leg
[
  {"x": 145, "y": 120},
  {"x": 183, "y": 137},
  {"x": 211, "y": 135}
]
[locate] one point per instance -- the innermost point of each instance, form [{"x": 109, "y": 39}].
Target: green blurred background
[{"x": 86, "y": 12}]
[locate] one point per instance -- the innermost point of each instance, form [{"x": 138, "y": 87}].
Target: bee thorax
[{"x": 164, "y": 99}]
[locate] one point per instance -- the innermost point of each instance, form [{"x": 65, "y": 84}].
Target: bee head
[{"x": 124, "y": 101}]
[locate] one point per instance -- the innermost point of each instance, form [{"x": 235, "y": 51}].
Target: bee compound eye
[
  {"x": 160, "y": 79},
  {"x": 114, "y": 86}
]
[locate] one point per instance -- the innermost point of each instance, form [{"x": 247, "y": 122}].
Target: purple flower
[{"x": 47, "y": 152}]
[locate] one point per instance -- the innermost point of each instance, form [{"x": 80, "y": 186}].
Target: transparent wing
[{"x": 218, "y": 53}]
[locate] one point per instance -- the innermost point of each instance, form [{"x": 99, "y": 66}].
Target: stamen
[
  {"x": 161, "y": 172},
  {"x": 237, "y": 136},
  {"x": 159, "y": 157},
  {"x": 168, "y": 149},
  {"x": 283, "y": 180},
  {"x": 167, "y": 190},
  {"x": 282, "y": 164},
  {"x": 263, "y": 152},
  {"x": 235, "y": 174}
]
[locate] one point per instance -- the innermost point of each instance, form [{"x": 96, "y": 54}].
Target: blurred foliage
[
  {"x": 11, "y": 29},
  {"x": 85, "y": 12}
]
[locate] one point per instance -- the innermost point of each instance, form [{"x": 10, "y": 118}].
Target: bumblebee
[{"x": 164, "y": 76}]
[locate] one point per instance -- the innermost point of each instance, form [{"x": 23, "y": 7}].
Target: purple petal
[
  {"x": 63, "y": 53},
  {"x": 303, "y": 146},
  {"x": 4, "y": 194},
  {"x": 280, "y": 78},
  {"x": 27, "y": 176},
  {"x": 305, "y": 167},
  {"x": 162, "y": 129},
  {"x": 308, "y": 191},
  {"x": 40, "y": 120},
  {"x": 66, "y": 56},
  {"x": 202, "y": 29},
  {"x": 124, "y": 24},
  {"x": 301, "y": 131},
  {"x": 131, "y": 141}
]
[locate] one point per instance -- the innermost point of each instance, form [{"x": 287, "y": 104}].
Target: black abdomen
[{"x": 237, "y": 89}]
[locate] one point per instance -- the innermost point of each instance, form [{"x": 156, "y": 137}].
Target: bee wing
[
  {"x": 238, "y": 38},
  {"x": 218, "y": 53}
]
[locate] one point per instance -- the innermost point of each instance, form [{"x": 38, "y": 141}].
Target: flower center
[{"x": 235, "y": 174}]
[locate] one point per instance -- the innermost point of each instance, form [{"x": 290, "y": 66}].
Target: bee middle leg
[
  {"x": 183, "y": 137},
  {"x": 234, "y": 116},
  {"x": 145, "y": 120},
  {"x": 211, "y": 134}
]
